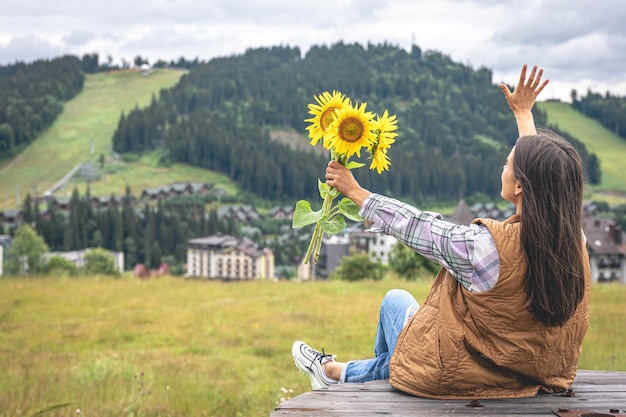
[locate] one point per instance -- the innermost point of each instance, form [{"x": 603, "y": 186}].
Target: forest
[
  {"x": 31, "y": 98},
  {"x": 455, "y": 128}
]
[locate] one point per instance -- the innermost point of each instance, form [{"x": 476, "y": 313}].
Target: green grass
[
  {"x": 91, "y": 116},
  {"x": 173, "y": 347},
  {"x": 610, "y": 149},
  {"x": 147, "y": 173}
]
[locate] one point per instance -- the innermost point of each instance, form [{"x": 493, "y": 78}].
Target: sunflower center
[
  {"x": 327, "y": 117},
  {"x": 351, "y": 129}
]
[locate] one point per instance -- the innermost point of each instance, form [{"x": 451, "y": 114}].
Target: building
[
  {"x": 333, "y": 248},
  {"x": 377, "y": 245},
  {"x": 228, "y": 258},
  {"x": 11, "y": 219},
  {"x": 5, "y": 243},
  {"x": 607, "y": 250},
  {"x": 463, "y": 214},
  {"x": 353, "y": 240},
  {"x": 176, "y": 190}
]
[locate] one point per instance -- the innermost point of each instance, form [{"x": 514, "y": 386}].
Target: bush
[
  {"x": 25, "y": 255},
  {"x": 359, "y": 267},
  {"x": 61, "y": 266},
  {"x": 100, "y": 261},
  {"x": 409, "y": 264}
]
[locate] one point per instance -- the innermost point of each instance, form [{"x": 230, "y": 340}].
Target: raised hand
[
  {"x": 524, "y": 96},
  {"x": 522, "y": 99}
]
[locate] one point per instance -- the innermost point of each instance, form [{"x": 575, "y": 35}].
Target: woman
[{"x": 508, "y": 311}]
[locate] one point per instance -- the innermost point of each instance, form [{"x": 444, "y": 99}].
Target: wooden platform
[{"x": 594, "y": 394}]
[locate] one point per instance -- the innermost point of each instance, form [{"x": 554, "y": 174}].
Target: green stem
[
  {"x": 311, "y": 244},
  {"x": 328, "y": 201},
  {"x": 318, "y": 247},
  {"x": 318, "y": 234}
]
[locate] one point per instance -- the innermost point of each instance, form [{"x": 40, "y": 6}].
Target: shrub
[
  {"x": 100, "y": 261},
  {"x": 61, "y": 266},
  {"x": 359, "y": 267},
  {"x": 409, "y": 264}
]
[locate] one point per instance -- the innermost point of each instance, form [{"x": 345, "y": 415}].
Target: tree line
[
  {"x": 151, "y": 234},
  {"x": 31, "y": 98},
  {"x": 148, "y": 233},
  {"x": 455, "y": 127}
]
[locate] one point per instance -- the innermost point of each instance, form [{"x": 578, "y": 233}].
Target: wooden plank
[{"x": 599, "y": 391}]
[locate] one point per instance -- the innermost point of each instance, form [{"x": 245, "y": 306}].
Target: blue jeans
[{"x": 396, "y": 309}]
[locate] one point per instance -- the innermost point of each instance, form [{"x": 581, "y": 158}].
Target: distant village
[{"x": 241, "y": 258}]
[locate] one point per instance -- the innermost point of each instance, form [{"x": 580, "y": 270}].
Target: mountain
[
  {"x": 239, "y": 121},
  {"x": 455, "y": 127}
]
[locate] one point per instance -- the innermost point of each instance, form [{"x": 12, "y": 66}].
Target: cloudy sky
[{"x": 580, "y": 43}]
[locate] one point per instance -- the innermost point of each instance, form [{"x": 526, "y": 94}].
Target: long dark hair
[{"x": 551, "y": 176}]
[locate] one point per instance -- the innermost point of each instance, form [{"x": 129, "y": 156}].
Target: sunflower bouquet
[{"x": 344, "y": 129}]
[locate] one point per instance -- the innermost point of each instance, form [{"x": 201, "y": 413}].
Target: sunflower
[
  {"x": 351, "y": 130},
  {"x": 385, "y": 136},
  {"x": 380, "y": 161},
  {"x": 324, "y": 113}
]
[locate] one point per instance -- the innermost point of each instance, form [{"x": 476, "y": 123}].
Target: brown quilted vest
[{"x": 464, "y": 345}]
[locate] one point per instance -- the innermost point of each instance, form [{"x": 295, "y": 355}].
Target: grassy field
[
  {"x": 91, "y": 117},
  {"x": 174, "y": 347},
  {"x": 610, "y": 149},
  {"x": 147, "y": 173}
]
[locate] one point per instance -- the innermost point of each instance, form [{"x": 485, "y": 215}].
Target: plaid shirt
[{"x": 469, "y": 253}]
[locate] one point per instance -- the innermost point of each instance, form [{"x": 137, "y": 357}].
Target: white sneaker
[{"x": 311, "y": 363}]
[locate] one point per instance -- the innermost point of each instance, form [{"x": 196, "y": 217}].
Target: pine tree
[
  {"x": 27, "y": 209},
  {"x": 150, "y": 236},
  {"x": 72, "y": 236}
]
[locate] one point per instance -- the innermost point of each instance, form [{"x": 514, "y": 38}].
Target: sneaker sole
[{"x": 309, "y": 374}]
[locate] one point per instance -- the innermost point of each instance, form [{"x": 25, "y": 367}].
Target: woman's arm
[{"x": 523, "y": 98}]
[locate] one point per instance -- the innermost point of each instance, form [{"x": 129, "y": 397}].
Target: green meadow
[
  {"x": 175, "y": 347},
  {"x": 148, "y": 172},
  {"x": 610, "y": 149}
]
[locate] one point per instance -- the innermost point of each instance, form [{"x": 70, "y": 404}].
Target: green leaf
[
  {"x": 303, "y": 214},
  {"x": 334, "y": 226},
  {"x": 354, "y": 164},
  {"x": 323, "y": 188},
  {"x": 349, "y": 209}
]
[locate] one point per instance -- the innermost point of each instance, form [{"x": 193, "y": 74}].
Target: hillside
[
  {"x": 455, "y": 128},
  {"x": 474, "y": 132},
  {"x": 610, "y": 149},
  {"x": 81, "y": 133}
]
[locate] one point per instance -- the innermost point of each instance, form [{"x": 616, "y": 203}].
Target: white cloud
[
  {"x": 578, "y": 42},
  {"x": 29, "y": 48},
  {"x": 79, "y": 38}
]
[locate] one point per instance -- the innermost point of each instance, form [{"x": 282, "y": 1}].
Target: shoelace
[{"x": 319, "y": 356}]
